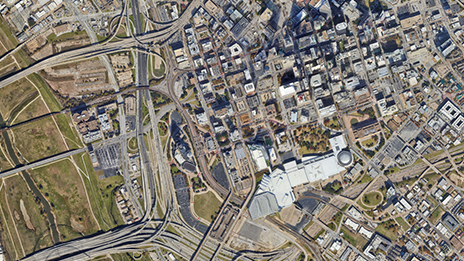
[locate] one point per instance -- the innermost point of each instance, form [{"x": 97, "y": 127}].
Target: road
[
  {"x": 59, "y": 156},
  {"x": 196, "y": 138},
  {"x": 107, "y": 47},
  {"x": 42, "y": 162},
  {"x": 147, "y": 232},
  {"x": 83, "y": 20}
]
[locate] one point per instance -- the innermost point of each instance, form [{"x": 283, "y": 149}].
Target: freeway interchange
[{"x": 151, "y": 232}]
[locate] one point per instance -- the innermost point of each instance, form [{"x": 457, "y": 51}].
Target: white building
[
  {"x": 272, "y": 154},
  {"x": 249, "y": 88},
  {"x": 259, "y": 155},
  {"x": 316, "y": 81},
  {"x": 287, "y": 90},
  {"x": 365, "y": 232},
  {"x": 336, "y": 245},
  {"x": 405, "y": 204},
  {"x": 351, "y": 83},
  {"x": 280, "y": 182},
  {"x": 449, "y": 110},
  {"x": 202, "y": 118},
  {"x": 352, "y": 211},
  {"x": 458, "y": 123},
  {"x": 352, "y": 224},
  {"x": 294, "y": 117},
  {"x": 235, "y": 49}
]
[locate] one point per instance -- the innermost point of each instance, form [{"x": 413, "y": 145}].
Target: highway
[
  {"x": 107, "y": 47},
  {"x": 42, "y": 162},
  {"x": 148, "y": 232},
  {"x": 59, "y": 156},
  {"x": 198, "y": 147}
]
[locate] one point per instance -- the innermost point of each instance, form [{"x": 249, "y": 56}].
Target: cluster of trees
[
  {"x": 391, "y": 225},
  {"x": 371, "y": 153},
  {"x": 197, "y": 183},
  {"x": 174, "y": 169},
  {"x": 223, "y": 138},
  {"x": 314, "y": 133},
  {"x": 334, "y": 187},
  {"x": 333, "y": 124},
  {"x": 159, "y": 99},
  {"x": 163, "y": 128},
  {"x": 313, "y": 139},
  {"x": 369, "y": 111},
  {"x": 247, "y": 132},
  {"x": 311, "y": 145}
]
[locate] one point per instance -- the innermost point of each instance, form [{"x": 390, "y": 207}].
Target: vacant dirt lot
[
  {"x": 68, "y": 41},
  {"x": 327, "y": 215},
  {"x": 78, "y": 78},
  {"x": 36, "y": 44},
  {"x": 313, "y": 230}
]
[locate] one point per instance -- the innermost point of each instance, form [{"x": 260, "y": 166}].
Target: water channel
[{"x": 35, "y": 190}]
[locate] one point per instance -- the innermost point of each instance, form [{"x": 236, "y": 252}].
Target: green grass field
[
  {"x": 64, "y": 122},
  {"x": 361, "y": 204},
  {"x": 13, "y": 94},
  {"x": 162, "y": 128},
  {"x": 372, "y": 199},
  {"x": 22, "y": 58},
  {"x": 37, "y": 235},
  {"x": 4, "y": 163},
  {"x": 355, "y": 239},
  {"x": 382, "y": 228},
  {"x": 364, "y": 179},
  {"x": 332, "y": 226},
  {"x": 68, "y": 36},
  {"x": 35, "y": 108},
  {"x": 436, "y": 215},
  {"x": 369, "y": 143},
  {"x": 101, "y": 193},
  {"x": 402, "y": 223},
  {"x": 337, "y": 218},
  {"x": 206, "y": 205},
  {"x": 8, "y": 66},
  {"x": 10, "y": 240},
  {"x": 38, "y": 139},
  {"x": 62, "y": 185},
  {"x": 433, "y": 154},
  {"x": 405, "y": 182},
  {"x": 432, "y": 179},
  {"x": 432, "y": 200},
  {"x": 146, "y": 139},
  {"x": 6, "y": 37},
  {"x": 46, "y": 93},
  {"x": 159, "y": 72},
  {"x": 132, "y": 144}
]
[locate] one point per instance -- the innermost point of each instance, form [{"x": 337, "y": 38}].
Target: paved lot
[
  {"x": 220, "y": 175},
  {"x": 251, "y": 231},
  {"x": 183, "y": 197}
]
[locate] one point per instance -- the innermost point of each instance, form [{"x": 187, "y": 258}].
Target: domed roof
[{"x": 345, "y": 158}]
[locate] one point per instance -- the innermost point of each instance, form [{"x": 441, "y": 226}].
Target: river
[{"x": 30, "y": 182}]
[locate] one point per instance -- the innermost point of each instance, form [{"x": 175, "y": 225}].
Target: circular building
[{"x": 345, "y": 158}]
